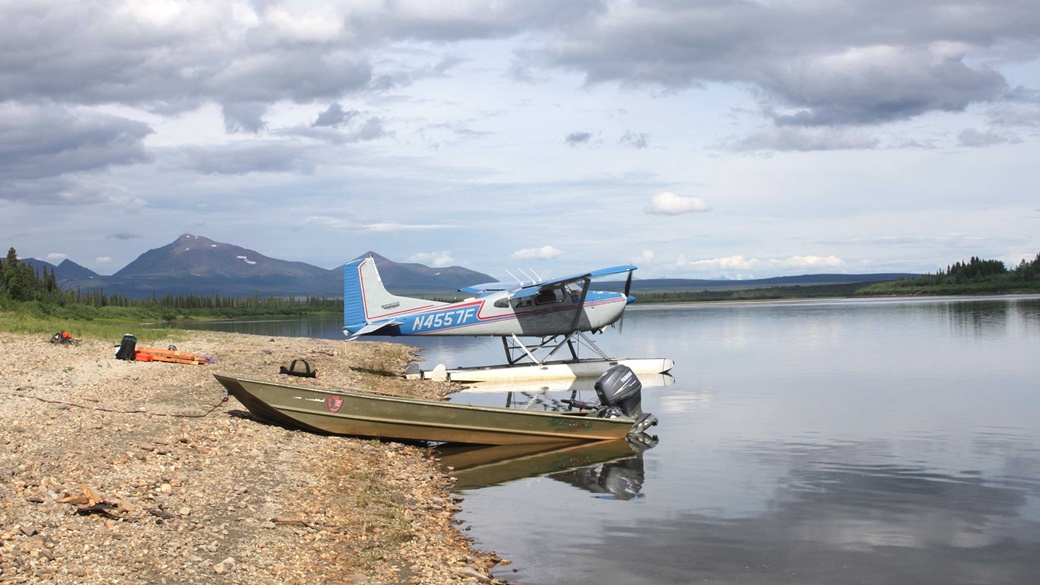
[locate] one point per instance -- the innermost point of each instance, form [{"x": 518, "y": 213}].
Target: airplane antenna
[
  {"x": 514, "y": 277},
  {"x": 536, "y": 275},
  {"x": 527, "y": 275}
]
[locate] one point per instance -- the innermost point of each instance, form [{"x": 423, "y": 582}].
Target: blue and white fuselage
[{"x": 560, "y": 306}]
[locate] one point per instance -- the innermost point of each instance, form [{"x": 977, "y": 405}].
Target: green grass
[
  {"x": 81, "y": 321},
  {"x": 111, "y": 322}
]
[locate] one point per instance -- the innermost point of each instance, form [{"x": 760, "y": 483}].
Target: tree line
[
  {"x": 977, "y": 270},
  {"x": 20, "y": 282},
  {"x": 976, "y": 276}
]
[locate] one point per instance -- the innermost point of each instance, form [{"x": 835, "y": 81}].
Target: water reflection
[
  {"x": 836, "y": 515},
  {"x": 607, "y": 468},
  {"x": 975, "y": 319},
  {"x": 585, "y": 384},
  {"x": 622, "y": 479},
  {"x": 877, "y": 524},
  {"x": 553, "y": 395}
]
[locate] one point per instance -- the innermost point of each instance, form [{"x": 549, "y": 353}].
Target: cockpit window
[{"x": 552, "y": 295}]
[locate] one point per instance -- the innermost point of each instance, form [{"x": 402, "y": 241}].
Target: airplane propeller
[{"x": 628, "y": 299}]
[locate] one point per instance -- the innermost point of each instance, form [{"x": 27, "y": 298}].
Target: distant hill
[
  {"x": 198, "y": 265},
  {"x": 688, "y": 284},
  {"x": 66, "y": 271},
  {"x": 407, "y": 278},
  {"x": 38, "y": 264},
  {"x": 69, "y": 269}
]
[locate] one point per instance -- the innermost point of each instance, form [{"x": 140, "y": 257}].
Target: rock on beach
[{"x": 109, "y": 473}]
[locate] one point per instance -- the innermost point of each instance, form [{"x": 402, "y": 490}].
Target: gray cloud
[
  {"x": 99, "y": 54},
  {"x": 635, "y": 140},
  {"x": 335, "y": 117},
  {"x": 863, "y": 62},
  {"x": 123, "y": 236},
  {"x": 1017, "y": 115},
  {"x": 972, "y": 137},
  {"x": 45, "y": 141},
  {"x": 258, "y": 157},
  {"x": 47, "y": 153},
  {"x": 174, "y": 60},
  {"x": 462, "y": 20},
  {"x": 798, "y": 138},
  {"x": 823, "y": 64},
  {"x": 576, "y": 138},
  {"x": 338, "y": 126},
  {"x": 244, "y": 117},
  {"x": 881, "y": 87}
]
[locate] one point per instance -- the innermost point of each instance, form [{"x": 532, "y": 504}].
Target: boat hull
[{"x": 346, "y": 412}]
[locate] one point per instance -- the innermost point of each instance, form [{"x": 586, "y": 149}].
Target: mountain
[
  {"x": 202, "y": 257},
  {"x": 38, "y": 265},
  {"x": 69, "y": 269},
  {"x": 403, "y": 278},
  {"x": 197, "y": 265}
]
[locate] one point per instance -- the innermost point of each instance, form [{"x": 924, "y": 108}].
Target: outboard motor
[{"x": 620, "y": 392}]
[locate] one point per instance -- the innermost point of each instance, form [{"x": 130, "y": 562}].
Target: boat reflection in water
[{"x": 612, "y": 469}]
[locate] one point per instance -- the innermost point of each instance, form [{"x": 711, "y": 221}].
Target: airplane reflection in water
[
  {"x": 612, "y": 469},
  {"x": 557, "y": 385},
  {"x": 554, "y": 395}
]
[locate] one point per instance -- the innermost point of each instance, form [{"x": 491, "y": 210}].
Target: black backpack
[
  {"x": 304, "y": 370},
  {"x": 127, "y": 347}
]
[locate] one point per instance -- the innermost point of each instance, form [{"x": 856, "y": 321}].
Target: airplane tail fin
[{"x": 367, "y": 305}]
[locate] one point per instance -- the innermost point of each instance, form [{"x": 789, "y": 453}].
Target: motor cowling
[{"x": 619, "y": 389}]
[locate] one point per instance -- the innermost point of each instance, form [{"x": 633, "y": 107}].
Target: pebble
[
  {"x": 225, "y": 500},
  {"x": 471, "y": 573}
]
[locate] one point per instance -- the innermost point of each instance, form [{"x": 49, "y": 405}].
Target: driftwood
[{"x": 90, "y": 502}]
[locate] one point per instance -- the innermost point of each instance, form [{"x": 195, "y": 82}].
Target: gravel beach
[{"x": 117, "y": 471}]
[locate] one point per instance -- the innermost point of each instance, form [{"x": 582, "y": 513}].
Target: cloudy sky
[{"x": 703, "y": 139}]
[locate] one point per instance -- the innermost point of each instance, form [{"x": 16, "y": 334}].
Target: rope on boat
[{"x": 138, "y": 411}]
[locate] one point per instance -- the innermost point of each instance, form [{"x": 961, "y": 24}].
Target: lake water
[{"x": 843, "y": 441}]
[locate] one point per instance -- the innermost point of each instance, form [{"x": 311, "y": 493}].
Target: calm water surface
[{"x": 882, "y": 441}]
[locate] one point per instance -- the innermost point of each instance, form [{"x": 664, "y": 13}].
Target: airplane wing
[
  {"x": 488, "y": 287},
  {"x": 526, "y": 290},
  {"x": 532, "y": 288},
  {"x": 612, "y": 270}
]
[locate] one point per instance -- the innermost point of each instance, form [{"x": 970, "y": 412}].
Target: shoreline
[
  {"x": 862, "y": 299},
  {"x": 112, "y": 472}
]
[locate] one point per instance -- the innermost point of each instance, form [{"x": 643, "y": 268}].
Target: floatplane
[{"x": 560, "y": 314}]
